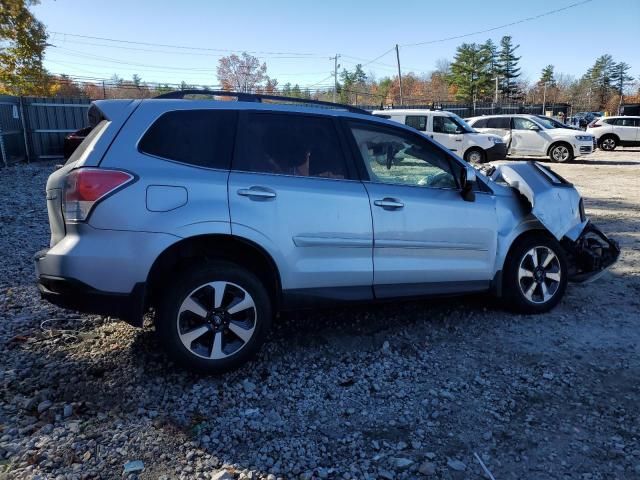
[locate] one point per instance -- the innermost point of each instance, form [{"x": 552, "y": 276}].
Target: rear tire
[
  {"x": 475, "y": 155},
  {"x": 608, "y": 143},
  {"x": 535, "y": 274},
  {"x": 213, "y": 317},
  {"x": 561, "y": 152}
]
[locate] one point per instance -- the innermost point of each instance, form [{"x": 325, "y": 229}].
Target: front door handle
[
  {"x": 389, "y": 204},
  {"x": 257, "y": 192},
  {"x": 458, "y": 139}
]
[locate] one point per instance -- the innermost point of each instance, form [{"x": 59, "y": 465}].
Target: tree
[
  {"x": 352, "y": 83},
  {"x": 242, "y": 73},
  {"x": 63, "y": 86},
  {"x": 492, "y": 51},
  {"x": 508, "y": 68},
  {"x": 598, "y": 80},
  {"x": 547, "y": 76},
  {"x": 470, "y": 72},
  {"x": 23, "y": 40},
  {"x": 620, "y": 77}
]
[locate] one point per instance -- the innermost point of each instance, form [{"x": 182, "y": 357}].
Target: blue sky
[{"x": 298, "y": 37}]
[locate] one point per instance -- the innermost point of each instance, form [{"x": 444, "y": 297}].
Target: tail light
[
  {"x": 594, "y": 124},
  {"x": 85, "y": 187}
]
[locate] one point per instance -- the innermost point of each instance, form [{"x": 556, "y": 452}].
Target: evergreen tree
[
  {"x": 470, "y": 72},
  {"x": 599, "y": 80},
  {"x": 509, "y": 70},
  {"x": 620, "y": 77},
  {"x": 351, "y": 82},
  {"x": 547, "y": 76},
  {"x": 492, "y": 51}
]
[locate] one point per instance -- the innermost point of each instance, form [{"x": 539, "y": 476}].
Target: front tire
[
  {"x": 608, "y": 143},
  {"x": 561, "y": 152},
  {"x": 535, "y": 274},
  {"x": 214, "y": 317},
  {"x": 475, "y": 155}
]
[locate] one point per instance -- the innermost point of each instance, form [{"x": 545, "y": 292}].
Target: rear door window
[
  {"x": 499, "y": 123},
  {"x": 419, "y": 122},
  {"x": 289, "y": 144},
  {"x": 203, "y": 138}
]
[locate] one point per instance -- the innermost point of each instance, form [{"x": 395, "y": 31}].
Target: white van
[{"x": 452, "y": 132}]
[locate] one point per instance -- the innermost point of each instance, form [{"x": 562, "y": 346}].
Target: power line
[
  {"x": 517, "y": 22},
  {"x": 183, "y": 47}
]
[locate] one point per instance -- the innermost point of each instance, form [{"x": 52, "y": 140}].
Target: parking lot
[{"x": 403, "y": 390}]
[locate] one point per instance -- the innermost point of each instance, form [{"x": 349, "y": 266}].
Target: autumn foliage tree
[
  {"x": 244, "y": 73},
  {"x": 23, "y": 40}
]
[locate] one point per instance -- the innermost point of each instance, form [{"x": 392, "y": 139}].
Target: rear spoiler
[{"x": 109, "y": 110}]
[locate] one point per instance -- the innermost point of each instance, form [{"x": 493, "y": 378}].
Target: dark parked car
[{"x": 74, "y": 139}]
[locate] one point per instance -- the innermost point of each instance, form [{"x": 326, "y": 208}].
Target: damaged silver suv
[{"x": 214, "y": 215}]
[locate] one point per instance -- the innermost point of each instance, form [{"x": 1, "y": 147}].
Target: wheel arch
[
  {"x": 609, "y": 135},
  {"x": 227, "y": 247},
  {"x": 559, "y": 142}
]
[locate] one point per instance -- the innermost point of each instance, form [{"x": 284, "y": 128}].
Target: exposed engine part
[{"x": 590, "y": 254}]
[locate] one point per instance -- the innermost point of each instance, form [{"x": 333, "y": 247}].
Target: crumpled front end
[
  {"x": 558, "y": 206},
  {"x": 590, "y": 254}
]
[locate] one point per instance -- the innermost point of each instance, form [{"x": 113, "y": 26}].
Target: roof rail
[{"x": 258, "y": 98}]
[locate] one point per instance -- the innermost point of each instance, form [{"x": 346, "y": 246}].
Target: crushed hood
[{"x": 554, "y": 201}]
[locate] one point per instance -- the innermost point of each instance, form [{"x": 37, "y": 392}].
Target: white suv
[
  {"x": 452, "y": 132},
  {"x": 613, "y": 131},
  {"x": 536, "y": 136}
]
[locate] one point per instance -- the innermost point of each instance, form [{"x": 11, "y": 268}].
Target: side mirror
[{"x": 467, "y": 181}]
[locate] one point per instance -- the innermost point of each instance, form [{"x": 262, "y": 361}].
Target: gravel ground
[{"x": 406, "y": 390}]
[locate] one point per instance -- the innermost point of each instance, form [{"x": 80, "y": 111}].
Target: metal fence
[
  {"x": 472, "y": 110},
  {"x": 12, "y": 140},
  {"x": 33, "y": 128}
]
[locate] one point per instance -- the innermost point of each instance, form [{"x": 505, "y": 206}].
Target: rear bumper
[
  {"x": 75, "y": 295},
  {"x": 591, "y": 254},
  {"x": 497, "y": 152}
]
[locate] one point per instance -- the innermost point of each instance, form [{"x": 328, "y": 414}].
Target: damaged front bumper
[{"x": 590, "y": 255}]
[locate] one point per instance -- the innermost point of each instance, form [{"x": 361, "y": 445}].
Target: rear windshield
[{"x": 89, "y": 142}]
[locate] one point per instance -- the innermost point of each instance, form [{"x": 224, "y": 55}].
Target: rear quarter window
[
  {"x": 204, "y": 138},
  {"x": 480, "y": 123}
]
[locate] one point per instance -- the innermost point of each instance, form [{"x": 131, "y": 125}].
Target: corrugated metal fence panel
[
  {"x": 12, "y": 147},
  {"x": 49, "y": 120}
]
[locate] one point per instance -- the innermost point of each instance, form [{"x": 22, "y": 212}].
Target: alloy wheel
[
  {"x": 560, "y": 153},
  {"x": 539, "y": 274},
  {"x": 608, "y": 144},
  {"x": 216, "y": 320}
]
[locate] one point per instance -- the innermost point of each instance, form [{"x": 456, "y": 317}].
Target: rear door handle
[
  {"x": 257, "y": 192},
  {"x": 389, "y": 204}
]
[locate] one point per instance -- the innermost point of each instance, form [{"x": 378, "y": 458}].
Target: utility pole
[
  {"x": 399, "y": 72},
  {"x": 544, "y": 98},
  {"x": 495, "y": 98},
  {"x": 104, "y": 91},
  {"x": 335, "y": 75}
]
